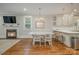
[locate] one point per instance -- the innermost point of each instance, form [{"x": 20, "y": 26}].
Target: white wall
[{"x": 21, "y": 31}]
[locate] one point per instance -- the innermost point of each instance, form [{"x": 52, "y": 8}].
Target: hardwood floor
[{"x": 24, "y": 47}]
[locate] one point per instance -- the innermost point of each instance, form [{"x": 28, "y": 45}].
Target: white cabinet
[
  {"x": 67, "y": 19},
  {"x": 64, "y": 20},
  {"x": 64, "y": 38},
  {"x": 67, "y": 40}
]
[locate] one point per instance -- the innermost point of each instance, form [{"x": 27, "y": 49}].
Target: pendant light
[{"x": 40, "y": 16}]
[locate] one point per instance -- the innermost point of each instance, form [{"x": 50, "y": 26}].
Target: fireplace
[{"x": 11, "y": 33}]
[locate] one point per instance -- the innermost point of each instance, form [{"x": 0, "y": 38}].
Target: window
[
  {"x": 54, "y": 21},
  {"x": 28, "y": 22}
]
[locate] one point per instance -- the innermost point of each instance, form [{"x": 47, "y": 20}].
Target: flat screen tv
[{"x": 9, "y": 19}]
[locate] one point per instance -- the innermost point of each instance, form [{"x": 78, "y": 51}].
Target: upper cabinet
[
  {"x": 64, "y": 20},
  {"x": 59, "y": 20},
  {"x": 28, "y": 22},
  {"x": 68, "y": 20}
]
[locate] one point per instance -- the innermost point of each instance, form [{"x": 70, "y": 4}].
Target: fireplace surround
[{"x": 11, "y": 33}]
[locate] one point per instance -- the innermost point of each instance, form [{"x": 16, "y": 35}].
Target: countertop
[{"x": 67, "y": 31}]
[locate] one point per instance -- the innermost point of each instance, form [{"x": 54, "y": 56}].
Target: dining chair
[
  {"x": 36, "y": 39},
  {"x": 42, "y": 40},
  {"x": 48, "y": 39}
]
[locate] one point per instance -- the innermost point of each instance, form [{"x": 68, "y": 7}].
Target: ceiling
[{"x": 32, "y": 8}]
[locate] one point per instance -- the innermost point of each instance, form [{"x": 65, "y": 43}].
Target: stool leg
[
  {"x": 45, "y": 44},
  {"x": 40, "y": 44}
]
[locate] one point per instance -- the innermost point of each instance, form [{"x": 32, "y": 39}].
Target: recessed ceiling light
[{"x": 25, "y": 9}]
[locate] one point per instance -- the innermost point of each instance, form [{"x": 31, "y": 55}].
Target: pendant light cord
[{"x": 39, "y": 12}]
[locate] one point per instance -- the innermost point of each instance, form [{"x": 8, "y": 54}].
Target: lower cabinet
[
  {"x": 66, "y": 40},
  {"x": 76, "y": 44},
  {"x": 71, "y": 41}
]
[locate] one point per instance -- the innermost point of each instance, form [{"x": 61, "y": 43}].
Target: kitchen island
[{"x": 69, "y": 37}]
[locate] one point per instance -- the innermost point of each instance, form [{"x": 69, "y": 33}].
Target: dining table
[{"x": 42, "y": 35}]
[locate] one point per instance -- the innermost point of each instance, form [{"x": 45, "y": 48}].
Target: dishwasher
[{"x": 75, "y": 43}]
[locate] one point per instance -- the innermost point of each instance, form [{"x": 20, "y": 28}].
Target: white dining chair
[
  {"x": 48, "y": 39},
  {"x": 36, "y": 38},
  {"x": 42, "y": 40}
]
